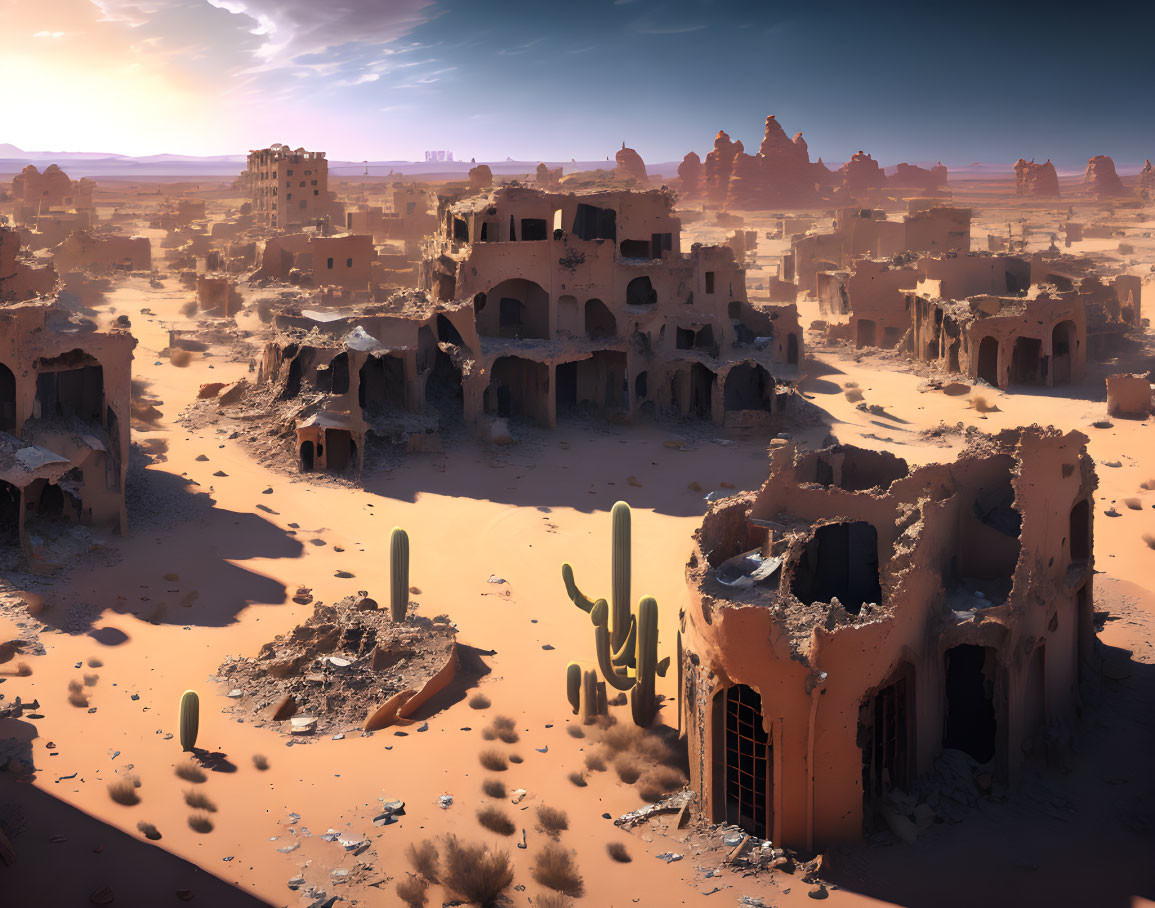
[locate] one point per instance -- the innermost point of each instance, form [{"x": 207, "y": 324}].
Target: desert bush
[
  {"x": 496, "y": 820},
  {"x": 515, "y": 758},
  {"x": 552, "y": 900},
  {"x": 854, "y": 395},
  {"x": 190, "y": 772},
  {"x": 658, "y": 782},
  {"x": 494, "y": 788},
  {"x": 199, "y": 800},
  {"x": 123, "y": 790},
  {"x": 493, "y": 760},
  {"x": 476, "y": 873},
  {"x": 554, "y": 868},
  {"x": 261, "y": 762},
  {"x": 148, "y": 830},
  {"x": 578, "y": 778},
  {"x": 628, "y": 768},
  {"x": 201, "y": 822},
  {"x": 506, "y": 729},
  {"x": 411, "y": 890},
  {"x": 479, "y": 701},
  {"x": 575, "y": 731},
  {"x": 981, "y": 404},
  {"x": 424, "y": 859},
  {"x": 617, "y": 851},
  {"x": 76, "y": 695},
  {"x": 595, "y": 762},
  {"x": 551, "y": 819}
]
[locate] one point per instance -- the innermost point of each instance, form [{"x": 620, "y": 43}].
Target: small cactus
[
  {"x": 398, "y": 574},
  {"x": 190, "y": 707},
  {"x": 589, "y": 697},
  {"x": 573, "y": 686}
]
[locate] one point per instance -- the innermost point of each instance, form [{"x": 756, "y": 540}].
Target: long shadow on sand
[
  {"x": 1076, "y": 838},
  {"x": 176, "y": 564},
  {"x": 63, "y": 855}
]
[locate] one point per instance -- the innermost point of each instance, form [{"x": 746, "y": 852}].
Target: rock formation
[
  {"x": 690, "y": 173},
  {"x": 1145, "y": 182},
  {"x": 1101, "y": 180},
  {"x": 718, "y": 166},
  {"x": 52, "y": 188},
  {"x": 911, "y": 176},
  {"x": 630, "y": 164},
  {"x": 480, "y": 178},
  {"x": 861, "y": 174},
  {"x": 1037, "y": 181}
]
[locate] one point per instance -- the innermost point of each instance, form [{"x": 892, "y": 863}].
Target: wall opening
[
  {"x": 9, "y": 513},
  {"x": 747, "y": 762},
  {"x": 885, "y": 736},
  {"x": 522, "y": 311},
  {"x": 7, "y": 399},
  {"x": 518, "y": 387},
  {"x": 382, "y": 385},
  {"x": 640, "y": 382},
  {"x": 593, "y": 223},
  {"x": 70, "y": 392},
  {"x": 840, "y": 560},
  {"x": 447, "y": 333},
  {"x": 635, "y": 249},
  {"x": 1062, "y": 351},
  {"x": 307, "y": 456},
  {"x": 1080, "y": 531},
  {"x": 1026, "y": 361},
  {"x": 748, "y": 387},
  {"x": 341, "y": 451},
  {"x": 866, "y": 329},
  {"x": 640, "y": 292},
  {"x": 339, "y": 367},
  {"x": 792, "y": 349},
  {"x": 988, "y": 364},
  {"x": 970, "y": 706},
  {"x": 443, "y": 389},
  {"x": 533, "y": 229},
  {"x": 600, "y": 322}
]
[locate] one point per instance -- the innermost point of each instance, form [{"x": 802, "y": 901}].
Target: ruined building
[
  {"x": 1101, "y": 180},
  {"x": 64, "y": 425},
  {"x": 854, "y": 619},
  {"x": 1036, "y": 181},
  {"x": 288, "y": 187},
  {"x": 51, "y": 189},
  {"x": 20, "y": 278}
]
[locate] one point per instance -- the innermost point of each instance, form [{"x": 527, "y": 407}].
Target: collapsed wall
[{"x": 855, "y": 618}]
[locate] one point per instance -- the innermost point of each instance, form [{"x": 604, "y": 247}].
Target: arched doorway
[
  {"x": 1063, "y": 345},
  {"x": 307, "y": 457},
  {"x": 988, "y": 363},
  {"x": 600, "y": 322},
  {"x": 7, "y": 399}
]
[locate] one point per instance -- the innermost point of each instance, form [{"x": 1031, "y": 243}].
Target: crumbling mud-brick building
[
  {"x": 51, "y": 189},
  {"x": 564, "y": 300},
  {"x": 64, "y": 424},
  {"x": 854, "y": 618},
  {"x": 288, "y": 187},
  {"x": 20, "y": 278}
]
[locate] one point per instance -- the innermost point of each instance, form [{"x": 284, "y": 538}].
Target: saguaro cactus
[
  {"x": 398, "y": 574},
  {"x": 190, "y": 708},
  {"x": 619, "y": 617},
  {"x": 573, "y": 686},
  {"x": 642, "y": 701}
]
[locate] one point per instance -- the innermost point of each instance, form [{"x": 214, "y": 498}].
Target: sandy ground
[{"x": 211, "y": 562}]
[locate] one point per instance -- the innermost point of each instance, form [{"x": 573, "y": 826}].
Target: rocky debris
[
  {"x": 328, "y": 674},
  {"x": 1101, "y": 180},
  {"x": 1036, "y": 181}
]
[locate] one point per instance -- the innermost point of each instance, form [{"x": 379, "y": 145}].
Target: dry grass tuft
[
  {"x": 201, "y": 822},
  {"x": 91, "y": 679},
  {"x": 411, "y": 891},
  {"x": 659, "y": 782},
  {"x": 506, "y": 729},
  {"x": 147, "y": 830},
  {"x": 854, "y": 395},
  {"x": 595, "y": 762},
  {"x": 476, "y": 873},
  {"x": 621, "y": 737},
  {"x": 982, "y": 405},
  {"x": 190, "y": 772},
  {"x": 123, "y": 790},
  {"x": 1133, "y": 503},
  {"x": 1147, "y": 484},
  {"x": 496, "y": 820},
  {"x": 95, "y": 663},
  {"x": 479, "y": 701},
  {"x": 493, "y": 760},
  {"x": 1150, "y": 540},
  {"x": 178, "y": 357},
  {"x": 578, "y": 778},
  {"x": 261, "y": 762},
  {"x": 199, "y": 800},
  {"x": 76, "y": 695},
  {"x": 494, "y": 788},
  {"x": 575, "y": 731},
  {"x": 554, "y": 868},
  {"x": 552, "y": 820},
  {"x": 618, "y": 851},
  {"x": 424, "y": 859},
  {"x": 628, "y": 768},
  {"x": 552, "y": 900},
  {"x": 515, "y": 758},
  {"x": 23, "y": 669}
]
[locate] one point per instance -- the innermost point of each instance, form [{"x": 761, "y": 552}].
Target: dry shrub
[
  {"x": 411, "y": 890},
  {"x": 479, "y": 701},
  {"x": 1147, "y": 484},
  {"x": 147, "y": 830},
  {"x": 476, "y": 873},
  {"x": 659, "y": 782},
  {"x": 595, "y": 762},
  {"x": 578, "y": 778},
  {"x": 488, "y": 734},
  {"x": 424, "y": 859},
  {"x": 493, "y": 760},
  {"x": 1133, "y": 503},
  {"x": 618, "y": 851},
  {"x": 552, "y": 900},
  {"x": 981, "y": 404},
  {"x": 621, "y": 737},
  {"x": 654, "y": 750},
  {"x": 850, "y": 384},
  {"x": 506, "y": 729},
  {"x": 1150, "y": 540},
  {"x": 261, "y": 762},
  {"x": 554, "y": 868},
  {"x": 515, "y": 758},
  {"x": 575, "y": 731},
  {"x": 627, "y": 767},
  {"x": 201, "y": 822},
  {"x": 95, "y": 663},
  {"x": 854, "y": 395},
  {"x": 190, "y": 772},
  {"x": 76, "y": 695},
  {"x": 496, "y": 820},
  {"x": 178, "y": 357},
  {"x": 552, "y": 820},
  {"x": 199, "y": 800},
  {"x": 23, "y": 669},
  {"x": 91, "y": 679},
  {"x": 123, "y": 790},
  {"x": 494, "y": 788}
]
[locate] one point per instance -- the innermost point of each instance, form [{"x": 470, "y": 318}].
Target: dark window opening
[
  {"x": 1027, "y": 367},
  {"x": 511, "y": 312},
  {"x": 446, "y": 287},
  {"x": 747, "y": 767},
  {"x": 792, "y": 349},
  {"x": 71, "y": 393},
  {"x": 734, "y": 309},
  {"x": 1081, "y": 531},
  {"x": 293, "y": 381},
  {"x": 447, "y": 333},
  {"x": 565, "y": 378},
  {"x": 512, "y": 230},
  {"x": 1063, "y": 346},
  {"x": 600, "y": 322},
  {"x": 533, "y": 229},
  {"x": 885, "y": 736},
  {"x": 635, "y": 249},
  {"x": 709, "y": 281},
  {"x": 340, "y": 370},
  {"x": 342, "y": 451},
  {"x": 840, "y": 561},
  {"x": 592, "y": 223},
  {"x": 748, "y": 387},
  {"x": 348, "y": 263},
  {"x": 443, "y": 389},
  {"x": 460, "y": 231},
  {"x": 484, "y": 238},
  {"x": 9, "y": 513},
  {"x": 382, "y": 385},
  {"x": 518, "y": 387},
  {"x": 329, "y": 263},
  {"x": 988, "y": 365},
  {"x": 970, "y": 707},
  {"x": 307, "y": 456},
  {"x": 659, "y": 243},
  {"x": 640, "y": 381},
  {"x": 640, "y": 292},
  {"x": 704, "y": 341},
  {"x": 7, "y": 399},
  {"x": 866, "y": 330},
  {"x": 684, "y": 339}
]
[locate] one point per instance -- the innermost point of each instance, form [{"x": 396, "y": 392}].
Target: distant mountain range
[{"x": 175, "y": 166}]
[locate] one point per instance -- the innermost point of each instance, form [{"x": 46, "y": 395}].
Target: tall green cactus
[
  {"x": 190, "y": 707},
  {"x": 642, "y": 701},
  {"x": 398, "y": 574},
  {"x": 620, "y": 619},
  {"x": 573, "y": 686}
]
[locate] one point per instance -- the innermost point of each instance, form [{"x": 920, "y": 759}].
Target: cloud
[{"x": 46, "y": 34}]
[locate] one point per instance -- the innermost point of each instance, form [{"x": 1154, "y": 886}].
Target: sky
[{"x": 546, "y": 80}]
